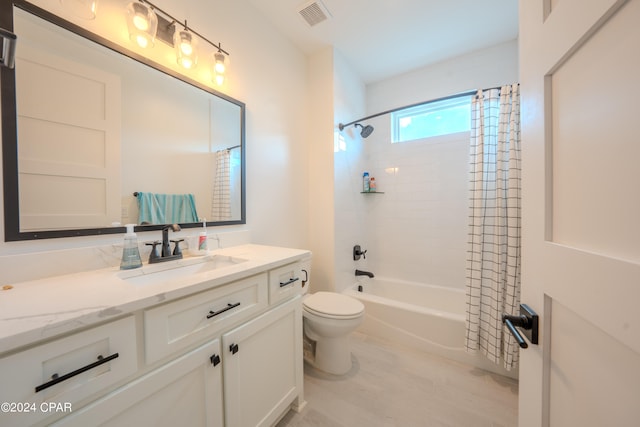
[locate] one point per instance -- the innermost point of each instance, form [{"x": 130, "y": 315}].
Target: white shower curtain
[
  {"x": 221, "y": 199},
  {"x": 493, "y": 254}
]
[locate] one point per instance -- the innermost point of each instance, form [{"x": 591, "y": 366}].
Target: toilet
[{"x": 329, "y": 318}]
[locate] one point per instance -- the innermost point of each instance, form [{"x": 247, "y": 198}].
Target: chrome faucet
[
  {"x": 364, "y": 273},
  {"x": 165, "y": 253}
]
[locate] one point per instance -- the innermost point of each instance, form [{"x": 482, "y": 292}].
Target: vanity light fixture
[
  {"x": 142, "y": 22},
  {"x": 83, "y": 8},
  {"x": 185, "y": 41},
  {"x": 186, "y": 45},
  {"x": 220, "y": 62}
]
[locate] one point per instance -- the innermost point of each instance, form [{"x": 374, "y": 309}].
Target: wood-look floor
[{"x": 394, "y": 386}]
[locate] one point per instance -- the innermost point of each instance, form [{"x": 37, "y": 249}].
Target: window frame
[{"x": 429, "y": 107}]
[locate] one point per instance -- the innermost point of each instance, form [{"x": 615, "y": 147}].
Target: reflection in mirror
[{"x": 104, "y": 140}]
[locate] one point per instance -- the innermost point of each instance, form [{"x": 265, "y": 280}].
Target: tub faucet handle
[{"x": 357, "y": 252}]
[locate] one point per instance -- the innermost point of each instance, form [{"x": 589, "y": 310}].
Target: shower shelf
[{"x": 372, "y": 192}]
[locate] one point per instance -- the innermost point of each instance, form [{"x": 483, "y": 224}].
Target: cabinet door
[
  {"x": 184, "y": 392},
  {"x": 263, "y": 366}
]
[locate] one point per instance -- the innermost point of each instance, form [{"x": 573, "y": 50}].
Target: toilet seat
[{"x": 333, "y": 305}]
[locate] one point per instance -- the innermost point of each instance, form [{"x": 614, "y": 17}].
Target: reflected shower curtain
[
  {"x": 493, "y": 254},
  {"x": 221, "y": 199}
]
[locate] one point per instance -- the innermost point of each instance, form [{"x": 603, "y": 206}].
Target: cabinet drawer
[
  {"x": 67, "y": 370},
  {"x": 285, "y": 282},
  {"x": 185, "y": 392},
  {"x": 177, "y": 325}
]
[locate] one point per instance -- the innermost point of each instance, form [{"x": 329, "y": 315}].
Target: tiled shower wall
[
  {"x": 414, "y": 228},
  {"x": 421, "y": 219}
]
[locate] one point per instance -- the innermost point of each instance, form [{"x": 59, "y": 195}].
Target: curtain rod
[{"x": 444, "y": 98}]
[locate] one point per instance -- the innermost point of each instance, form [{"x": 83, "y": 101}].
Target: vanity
[{"x": 202, "y": 341}]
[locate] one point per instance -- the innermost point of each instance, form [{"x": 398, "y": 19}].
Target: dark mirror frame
[{"x": 10, "y": 133}]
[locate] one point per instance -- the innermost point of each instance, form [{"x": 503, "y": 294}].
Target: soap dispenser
[{"x": 130, "y": 252}]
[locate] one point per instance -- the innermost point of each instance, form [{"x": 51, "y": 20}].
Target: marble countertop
[{"x": 40, "y": 309}]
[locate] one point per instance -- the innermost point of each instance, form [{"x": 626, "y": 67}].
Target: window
[{"x": 432, "y": 119}]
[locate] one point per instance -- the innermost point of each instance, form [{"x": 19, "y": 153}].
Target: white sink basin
[{"x": 176, "y": 270}]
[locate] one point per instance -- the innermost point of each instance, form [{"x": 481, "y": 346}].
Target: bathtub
[{"x": 423, "y": 317}]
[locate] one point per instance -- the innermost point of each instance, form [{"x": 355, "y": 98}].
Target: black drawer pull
[
  {"x": 290, "y": 281},
  {"x": 228, "y": 307},
  {"x": 56, "y": 379},
  {"x": 233, "y": 348}
]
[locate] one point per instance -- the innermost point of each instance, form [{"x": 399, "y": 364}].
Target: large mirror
[{"x": 93, "y": 139}]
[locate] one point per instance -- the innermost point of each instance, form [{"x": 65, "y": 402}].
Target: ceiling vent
[{"x": 314, "y": 12}]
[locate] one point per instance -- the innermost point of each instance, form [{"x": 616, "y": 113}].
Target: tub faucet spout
[{"x": 364, "y": 273}]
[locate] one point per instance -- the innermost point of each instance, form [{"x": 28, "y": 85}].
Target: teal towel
[{"x": 166, "y": 208}]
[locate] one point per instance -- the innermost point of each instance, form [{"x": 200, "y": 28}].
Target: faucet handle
[
  {"x": 357, "y": 252},
  {"x": 154, "y": 250},
  {"x": 177, "y": 250}
]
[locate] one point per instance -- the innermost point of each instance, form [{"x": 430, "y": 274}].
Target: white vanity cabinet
[
  {"x": 227, "y": 353},
  {"x": 65, "y": 371},
  {"x": 184, "y": 392},
  {"x": 263, "y": 366}
]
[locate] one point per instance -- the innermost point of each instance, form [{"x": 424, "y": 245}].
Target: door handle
[{"x": 527, "y": 321}]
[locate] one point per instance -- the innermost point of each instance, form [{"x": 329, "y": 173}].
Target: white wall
[
  {"x": 270, "y": 75},
  {"x": 416, "y": 231},
  {"x": 319, "y": 136},
  {"x": 350, "y": 104}
]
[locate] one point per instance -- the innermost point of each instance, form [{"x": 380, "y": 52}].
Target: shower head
[{"x": 366, "y": 130}]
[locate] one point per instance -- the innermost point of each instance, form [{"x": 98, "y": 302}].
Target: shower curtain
[
  {"x": 493, "y": 254},
  {"x": 221, "y": 199}
]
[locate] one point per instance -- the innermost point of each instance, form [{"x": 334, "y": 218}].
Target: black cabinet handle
[
  {"x": 227, "y": 308},
  {"x": 215, "y": 360},
  {"x": 527, "y": 320},
  {"x": 233, "y": 348},
  {"x": 56, "y": 379},
  {"x": 288, "y": 282}
]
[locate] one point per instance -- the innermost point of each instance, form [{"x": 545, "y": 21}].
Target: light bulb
[
  {"x": 186, "y": 62},
  {"x": 142, "y": 41},
  {"x": 142, "y": 23},
  {"x": 186, "y": 46},
  {"x": 219, "y": 68}
]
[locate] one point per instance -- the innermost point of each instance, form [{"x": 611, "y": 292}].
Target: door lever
[{"x": 527, "y": 321}]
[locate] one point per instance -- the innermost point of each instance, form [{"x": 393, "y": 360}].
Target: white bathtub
[{"x": 424, "y": 317}]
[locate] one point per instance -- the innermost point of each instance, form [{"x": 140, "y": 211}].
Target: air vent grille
[{"x": 314, "y": 12}]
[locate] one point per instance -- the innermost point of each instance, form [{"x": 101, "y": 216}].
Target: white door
[
  {"x": 69, "y": 131},
  {"x": 580, "y": 86}
]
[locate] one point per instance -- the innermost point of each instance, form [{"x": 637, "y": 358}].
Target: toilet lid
[{"x": 333, "y": 304}]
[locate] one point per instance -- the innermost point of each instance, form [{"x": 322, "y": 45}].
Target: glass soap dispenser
[{"x": 130, "y": 252}]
